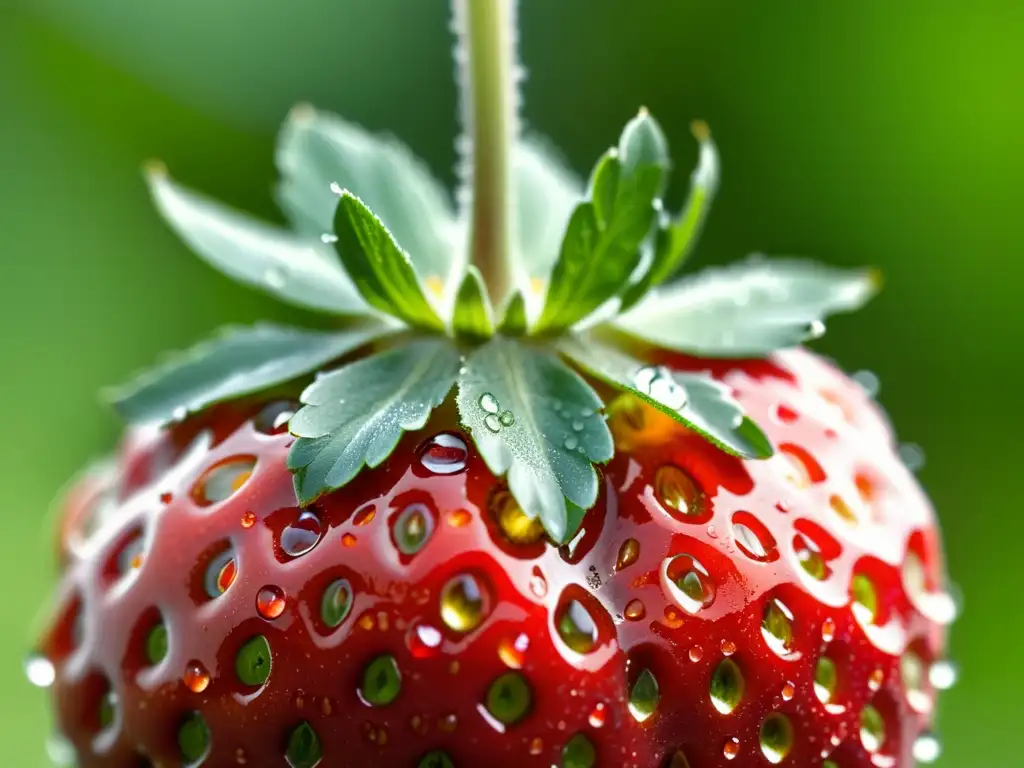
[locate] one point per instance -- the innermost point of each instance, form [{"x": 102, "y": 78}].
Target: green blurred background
[{"x": 880, "y": 132}]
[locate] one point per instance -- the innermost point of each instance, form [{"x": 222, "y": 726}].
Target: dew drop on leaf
[{"x": 489, "y": 403}]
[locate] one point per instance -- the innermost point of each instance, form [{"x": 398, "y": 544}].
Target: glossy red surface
[{"x": 788, "y": 534}]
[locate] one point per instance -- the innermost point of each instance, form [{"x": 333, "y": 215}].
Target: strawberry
[{"x": 623, "y": 520}]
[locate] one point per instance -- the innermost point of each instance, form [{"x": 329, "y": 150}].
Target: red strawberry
[{"x": 712, "y": 611}]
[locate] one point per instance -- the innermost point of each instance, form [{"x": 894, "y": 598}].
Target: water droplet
[
  {"x": 513, "y": 652},
  {"x": 459, "y": 518},
  {"x": 445, "y": 454},
  {"x": 536, "y": 745},
  {"x": 644, "y": 696},
  {"x": 349, "y": 540},
  {"x": 943, "y": 674},
  {"x": 336, "y": 602},
  {"x": 865, "y": 598},
  {"x": 728, "y": 647},
  {"x": 40, "y": 670},
  {"x": 875, "y": 679},
  {"x": 788, "y": 691},
  {"x": 872, "y": 729},
  {"x": 679, "y": 495},
  {"x": 328, "y": 238},
  {"x": 696, "y": 653},
  {"x": 576, "y": 626},
  {"x": 571, "y": 443},
  {"x": 731, "y": 748},
  {"x": 659, "y": 383},
  {"x": 826, "y": 680},
  {"x": 753, "y": 538},
  {"x": 253, "y": 662},
  {"x": 577, "y": 425},
  {"x": 628, "y": 554},
  {"x": 223, "y": 480},
  {"x": 726, "y": 686},
  {"x": 868, "y": 381},
  {"x": 912, "y": 456},
  {"x": 777, "y": 627},
  {"x": 157, "y": 643},
  {"x": 423, "y": 640},
  {"x": 689, "y": 583},
  {"x": 248, "y": 520},
  {"x": 382, "y": 682},
  {"x": 492, "y": 423},
  {"x": 489, "y": 403},
  {"x": 301, "y": 536},
  {"x": 509, "y": 698},
  {"x": 776, "y": 737},
  {"x": 364, "y": 515},
  {"x": 220, "y": 574},
  {"x": 578, "y": 753},
  {"x": 634, "y": 610},
  {"x": 927, "y": 748},
  {"x": 463, "y": 603},
  {"x": 273, "y": 417},
  {"x": 511, "y": 519},
  {"x": 412, "y": 528},
  {"x": 304, "y": 749},
  {"x": 196, "y": 678},
  {"x": 507, "y": 418},
  {"x": 193, "y": 739},
  {"x": 828, "y": 630},
  {"x": 270, "y": 602}
]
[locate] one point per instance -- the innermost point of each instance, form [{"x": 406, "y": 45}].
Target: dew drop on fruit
[
  {"x": 727, "y": 686},
  {"x": 753, "y": 538},
  {"x": 512, "y": 652},
  {"x": 248, "y": 520},
  {"x": 598, "y": 715},
  {"x": 776, "y": 737},
  {"x": 223, "y": 480},
  {"x": 273, "y": 417},
  {"x": 536, "y": 745},
  {"x": 644, "y": 696},
  {"x": 628, "y": 554},
  {"x": 196, "y": 678},
  {"x": 875, "y": 679},
  {"x": 412, "y": 528},
  {"x": 463, "y": 603},
  {"x": 828, "y": 630},
  {"x": 576, "y": 626},
  {"x": 444, "y": 454},
  {"x": 301, "y": 536},
  {"x": 728, "y": 647},
  {"x": 943, "y": 674},
  {"x": 688, "y": 583},
  {"x": 679, "y": 495},
  {"x": 40, "y": 670},
  {"x": 927, "y": 748},
  {"x": 364, "y": 515},
  {"x": 634, "y": 610},
  {"x": 872, "y": 729},
  {"x": 788, "y": 691},
  {"x": 696, "y": 653},
  {"x": 777, "y": 627},
  {"x": 270, "y": 602},
  {"x": 423, "y": 640},
  {"x": 731, "y": 748}
]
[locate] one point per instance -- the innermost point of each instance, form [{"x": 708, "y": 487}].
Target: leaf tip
[
  {"x": 302, "y": 114},
  {"x": 700, "y": 130},
  {"x": 154, "y": 169}
]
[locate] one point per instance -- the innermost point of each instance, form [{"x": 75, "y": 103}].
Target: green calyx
[{"x": 377, "y": 242}]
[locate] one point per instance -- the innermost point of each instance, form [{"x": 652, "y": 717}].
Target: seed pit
[
  {"x": 216, "y": 570},
  {"x": 799, "y": 466},
  {"x": 753, "y": 538},
  {"x": 680, "y": 495},
  {"x": 727, "y": 685},
  {"x": 223, "y": 480},
  {"x": 776, "y": 737}
]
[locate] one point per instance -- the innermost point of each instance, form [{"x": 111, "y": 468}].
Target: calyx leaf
[
  {"x": 317, "y": 149},
  {"x": 536, "y": 420},
  {"x": 748, "y": 309},
  {"x": 381, "y": 270},
  {"x": 695, "y": 400},
  {"x": 355, "y": 416},
  {"x": 601, "y": 248},
  {"x": 472, "y": 316},
  {"x": 236, "y": 362},
  {"x": 296, "y": 269}
]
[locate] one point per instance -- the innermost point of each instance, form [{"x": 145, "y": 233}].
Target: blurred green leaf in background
[{"x": 855, "y": 132}]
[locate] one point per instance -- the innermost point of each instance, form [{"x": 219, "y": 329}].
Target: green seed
[
  {"x": 777, "y": 627},
  {"x": 864, "y": 594},
  {"x": 304, "y": 749},
  {"x": 776, "y": 737},
  {"x": 412, "y": 528},
  {"x": 872, "y": 729},
  {"x": 156, "y": 644},
  {"x": 826, "y": 679},
  {"x": 336, "y": 602},
  {"x": 644, "y": 696},
  {"x": 578, "y": 753},
  {"x": 194, "y": 739},
  {"x": 382, "y": 681},
  {"x": 509, "y": 698},
  {"x": 435, "y": 759},
  {"x": 108, "y": 709},
  {"x": 727, "y": 686},
  {"x": 252, "y": 664}
]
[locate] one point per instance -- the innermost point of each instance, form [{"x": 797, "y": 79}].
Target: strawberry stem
[{"x": 486, "y": 57}]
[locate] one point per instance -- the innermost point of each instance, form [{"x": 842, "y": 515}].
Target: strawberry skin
[{"x": 786, "y": 611}]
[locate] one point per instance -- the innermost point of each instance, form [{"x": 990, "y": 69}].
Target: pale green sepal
[
  {"x": 355, "y": 416},
  {"x": 513, "y": 320},
  {"x": 473, "y": 316}
]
